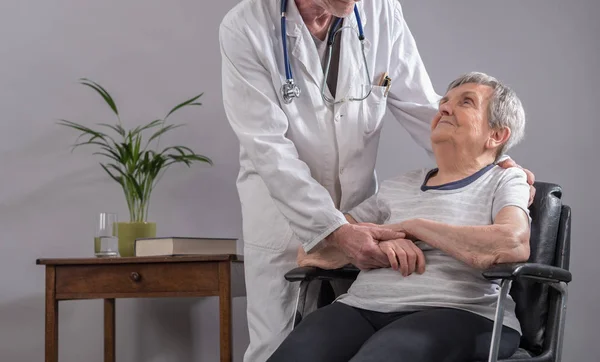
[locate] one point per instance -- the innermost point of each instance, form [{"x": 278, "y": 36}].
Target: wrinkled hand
[
  {"x": 399, "y": 227},
  {"x": 403, "y": 254},
  {"x": 530, "y": 176},
  {"x": 359, "y": 242}
]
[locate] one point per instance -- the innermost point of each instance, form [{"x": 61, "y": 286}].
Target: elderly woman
[{"x": 459, "y": 218}]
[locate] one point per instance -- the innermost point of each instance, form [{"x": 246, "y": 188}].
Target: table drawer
[{"x": 78, "y": 280}]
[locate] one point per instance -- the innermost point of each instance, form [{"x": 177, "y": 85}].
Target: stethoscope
[{"x": 290, "y": 90}]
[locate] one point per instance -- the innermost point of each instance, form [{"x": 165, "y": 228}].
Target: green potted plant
[{"x": 134, "y": 162}]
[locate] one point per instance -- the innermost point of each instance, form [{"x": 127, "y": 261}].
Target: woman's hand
[
  {"x": 399, "y": 227},
  {"x": 403, "y": 254}
]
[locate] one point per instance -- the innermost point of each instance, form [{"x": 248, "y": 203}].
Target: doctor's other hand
[
  {"x": 404, "y": 255},
  {"x": 359, "y": 242},
  {"x": 530, "y": 176}
]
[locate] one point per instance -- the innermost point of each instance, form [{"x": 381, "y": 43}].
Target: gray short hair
[{"x": 504, "y": 110}]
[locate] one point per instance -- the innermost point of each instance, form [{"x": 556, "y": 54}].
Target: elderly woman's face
[
  {"x": 463, "y": 117},
  {"x": 339, "y": 8}
]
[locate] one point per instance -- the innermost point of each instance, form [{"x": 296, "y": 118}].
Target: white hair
[{"x": 504, "y": 110}]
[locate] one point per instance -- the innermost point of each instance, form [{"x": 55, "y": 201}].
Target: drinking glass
[{"x": 106, "y": 241}]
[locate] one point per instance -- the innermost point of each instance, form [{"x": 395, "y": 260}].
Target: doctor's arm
[
  {"x": 411, "y": 99},
  {"x": 252, "y": 107}
]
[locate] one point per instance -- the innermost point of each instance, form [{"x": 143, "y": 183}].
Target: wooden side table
[{"x": 137, "y": 277}]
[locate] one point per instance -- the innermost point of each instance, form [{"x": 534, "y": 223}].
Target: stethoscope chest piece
[{"x": 289, "y": 91}]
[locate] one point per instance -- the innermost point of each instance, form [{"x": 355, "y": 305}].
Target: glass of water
[{"x": 106, "y": 241}]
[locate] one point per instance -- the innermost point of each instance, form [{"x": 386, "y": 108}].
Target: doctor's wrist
[{"x": 334, "y": 237}]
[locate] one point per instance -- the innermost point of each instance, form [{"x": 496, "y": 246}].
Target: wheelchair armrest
[
  {"x": 541, "y": 272},
  {"x": 310, "y": 273}
]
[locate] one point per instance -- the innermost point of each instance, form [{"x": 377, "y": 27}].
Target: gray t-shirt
[{"x": 447, "y": 282}]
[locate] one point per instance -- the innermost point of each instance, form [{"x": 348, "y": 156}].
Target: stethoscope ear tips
[{"x": 289, "y": 91}]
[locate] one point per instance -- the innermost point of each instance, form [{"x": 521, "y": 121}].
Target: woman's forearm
[{"x": 477, "y": 246}]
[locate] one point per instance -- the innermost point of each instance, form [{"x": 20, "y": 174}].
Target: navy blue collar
[{"x": 454, "y": 184}]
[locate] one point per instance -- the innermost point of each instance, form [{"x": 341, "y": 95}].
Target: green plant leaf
[
  {"x": 136, "y": 148},
  {"x": 105, "y": 95},
  {"x": 84, "y": 131},
  {"x": 163, "y": 130},
  {"x": 183, "y": 104},
  {"x": 187, "y": 159},
  {"x": 136, "y": 187},
  {"x": 119, "y": 179},
  {"x": 118, "y": 169},
  {"x": 122, "y": 152},
  {"x": 149, "y": 125},
  {"x": 179, "y": 149},
  {"x": 127, "y": 155},
  {"x": 89, "y": 142},
  {"x": 201, "y": 159},
  {"x": 129, "y": 180},
  {"x": 146, "y": 163},
  {"x": 80, "y": 127},
  {"x": 117, "y": 128},
  {"x": 92, "y": 138},
  {"x": 183, "y": 156},
  {"x": 111, "y": 156}
]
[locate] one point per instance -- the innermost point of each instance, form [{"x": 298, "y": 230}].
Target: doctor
[{"x": 308, "y": 119}]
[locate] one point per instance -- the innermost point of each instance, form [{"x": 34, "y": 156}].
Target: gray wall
[{"x": 152, "y": 54}]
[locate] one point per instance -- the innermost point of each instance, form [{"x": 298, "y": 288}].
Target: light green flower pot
[{"x": 129, "y": 231}]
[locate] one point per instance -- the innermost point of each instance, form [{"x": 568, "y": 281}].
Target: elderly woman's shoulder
[{"x": 511, "y": 173}]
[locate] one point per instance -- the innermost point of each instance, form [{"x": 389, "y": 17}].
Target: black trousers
[{"x": 340, "y": 333}]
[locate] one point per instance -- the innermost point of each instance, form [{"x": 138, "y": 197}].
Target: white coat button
[
  {"x": 341, "y": 171},
  {"x": 338, "y": 117}
]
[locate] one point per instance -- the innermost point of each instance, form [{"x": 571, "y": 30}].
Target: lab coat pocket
[
  {"x": 276, "y": 240},
  {"x": 264, "y": 226},
  {"x": 372, "y": 109}
]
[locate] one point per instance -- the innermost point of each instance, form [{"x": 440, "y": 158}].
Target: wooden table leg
[
  {"x": 51, "y": 316},
  {"x": 109, "y": 330},
  {"x": 225, "y": 309}
]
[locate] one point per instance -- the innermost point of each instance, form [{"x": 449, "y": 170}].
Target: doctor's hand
[
  {"x": 360, "y": 243},
  {"x": 530, "y": 176}
]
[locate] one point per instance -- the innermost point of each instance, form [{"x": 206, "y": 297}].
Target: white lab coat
[{"x": 303, "y": 164}]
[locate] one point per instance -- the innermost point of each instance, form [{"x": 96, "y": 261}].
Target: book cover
[{"x": 178, "y": 245}]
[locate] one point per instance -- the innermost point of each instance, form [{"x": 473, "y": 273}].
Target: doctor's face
[{"x": 339, "y": 8}]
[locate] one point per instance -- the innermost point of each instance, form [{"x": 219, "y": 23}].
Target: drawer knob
[{"x": 136, "y": 277}]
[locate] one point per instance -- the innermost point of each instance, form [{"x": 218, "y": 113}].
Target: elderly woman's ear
[{"x": 498, "y": 137}]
